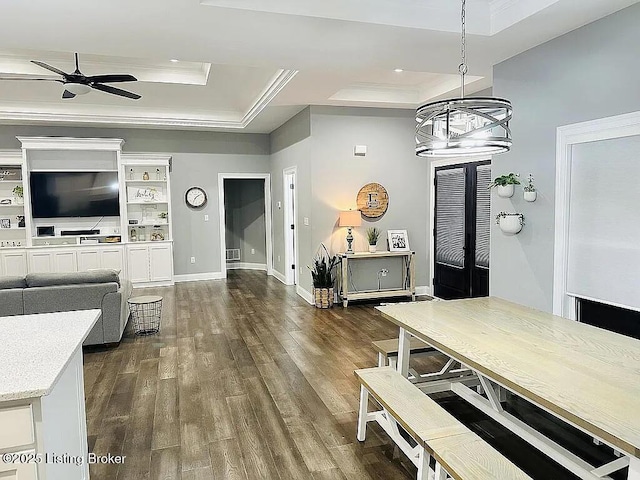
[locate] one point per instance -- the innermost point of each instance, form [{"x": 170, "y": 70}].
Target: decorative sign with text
[
  {"x": 372, "y": 200},
  {"x": 145, "y": 194}
]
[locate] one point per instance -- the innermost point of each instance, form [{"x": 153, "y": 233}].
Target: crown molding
[
  {"x": 273, "y": 87},
  {"x": 67, "y": 143}
]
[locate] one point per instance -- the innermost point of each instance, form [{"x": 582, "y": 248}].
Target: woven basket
[{"x": 323, "y": 297}]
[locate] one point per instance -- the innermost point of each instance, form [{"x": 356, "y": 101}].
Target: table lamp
[{"x": 350, "y": 219}]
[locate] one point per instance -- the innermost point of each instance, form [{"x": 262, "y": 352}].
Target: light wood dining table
[{"x": 586, "y": 376}]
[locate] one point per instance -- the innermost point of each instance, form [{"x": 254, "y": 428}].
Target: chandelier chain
[{"x": 462, "y": 68}]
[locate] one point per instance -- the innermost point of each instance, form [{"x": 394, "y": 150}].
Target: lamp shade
[{"x": 350, "y": 218}]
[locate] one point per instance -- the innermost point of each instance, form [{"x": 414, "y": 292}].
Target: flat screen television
[{"x": 74, "y": 194}]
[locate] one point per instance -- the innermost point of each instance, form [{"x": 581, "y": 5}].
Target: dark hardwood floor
[{"x": 247, "y": 381}]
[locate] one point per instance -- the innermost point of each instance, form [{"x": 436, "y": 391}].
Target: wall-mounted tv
[{"x": 74, "y": 194}]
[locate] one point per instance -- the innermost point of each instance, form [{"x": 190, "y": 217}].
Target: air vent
[{"x": 233, "y": 254}]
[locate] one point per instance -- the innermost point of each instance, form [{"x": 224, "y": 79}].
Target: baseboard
[
  {"x": 246, "y": 266},
  {"x": 305, "y": 295},
  {"x": 278, "y": 276},
  {"x": 424, "y": 290},
  {"x": 197, "y": 277}
]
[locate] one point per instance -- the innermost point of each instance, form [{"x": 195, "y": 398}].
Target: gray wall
[
  {"x": 245, "y": 222},
  {"x": 198, "y": 157},
  {"x": 586, "y": 74}
]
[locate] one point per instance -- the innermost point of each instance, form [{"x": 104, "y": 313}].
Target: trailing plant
[
  {"x": 373, "y": 234},
  {"x": 163, "y": 215},
  {"x": 18, "y": 191},
  {"x": 504, "y": 180},
  {"x": 505, "y": 214},
  {"x": 322, "y": 271},
  {"x": 530, "y": 187}
]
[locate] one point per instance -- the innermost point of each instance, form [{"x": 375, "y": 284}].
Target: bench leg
[
  {"x": 634, "y": 469},
  {"x": 423, "y": 465},
  {"x": 382, "y": 360},
  {"x": 362, "y": 414},
  {"x": 441, "y": 474}
]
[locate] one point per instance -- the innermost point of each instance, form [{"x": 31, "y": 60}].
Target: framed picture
[
  {"x": 5, "y": 223},
  {"x": 398, "y": 240}
]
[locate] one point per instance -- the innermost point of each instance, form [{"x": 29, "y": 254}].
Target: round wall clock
[
  {"x": 195, "y": 197},
  {"x": 372, "y": 200}
]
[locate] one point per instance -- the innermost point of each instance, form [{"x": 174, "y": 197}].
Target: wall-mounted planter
[
  {"x": 510, "y": 223},
  {"x": 505, "y": 191},
  {"x": 530, "y": 196}
]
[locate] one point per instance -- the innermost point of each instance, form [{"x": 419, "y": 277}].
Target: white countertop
[{"x": 35, "y": 349}]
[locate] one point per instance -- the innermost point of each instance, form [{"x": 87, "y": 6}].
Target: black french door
[{"x": 461, "y": 230}]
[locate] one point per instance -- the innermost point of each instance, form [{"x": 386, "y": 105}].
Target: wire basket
[{"x": 146, "y": 313}]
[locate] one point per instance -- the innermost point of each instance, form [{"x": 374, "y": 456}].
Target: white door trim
[
  {"x": 432, "y": 209},
  {"x": 567, "y": 136},
  {"x": 267, "y": 216},
  {"x": 289, "y": 273}
]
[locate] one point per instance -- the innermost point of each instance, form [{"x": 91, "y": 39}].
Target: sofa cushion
[
  {"x": 12, "y": 282},
  {"x": 76, "y": 278},
  {"x": 11, "y": 302}
]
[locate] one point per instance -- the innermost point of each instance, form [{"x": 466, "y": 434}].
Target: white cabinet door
[
  {"x": 65, "y": 261},
  {"x": 14, "y": 263},
  {"x": 19, "y": 471},
  {"x": 88, "y": 260},
  {"x": 160, "y": 263},
  {"x": 41, "y": 262},
  {"x": 111, "y": 258},
  {"x": 138, "y": 263}
]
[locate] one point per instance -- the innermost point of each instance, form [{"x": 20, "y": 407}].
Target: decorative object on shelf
[
  {"x": 142, "y": 234},
  {"x": 145, "y": 194},
  {"x": 372, "y": 200},
  {"x": 195, "y": 197},
  {"x": 350, "y": 219},
  {"x": 133, "y": 222},
  {"x": 373, "y": 233},
  {"x": 163, "y": 215},
  {"x": 323, "y": 277},
  {"x": 463, "y": 126},
  {"x": 133, "y": 236},
  {"x": 510, "y": 223},
  {"x": 45, "y": 231},
  {"x": 505, "y": 184},
  {"x": 10, "y": 174},
  {"x": 530, "y": 192},
  {"x": 18, "y": 194},
  {"x": 398, "y": 240},
  {"x": 5, "y": 201},
  {"x": 145, "y": 176},
  {"x": 131, "y": 177},
  {"x": 20, "y": 219},
  {"x": 5, "y": 223},
  {"x": 113, "y": 239},
  {"x": 158, "y": 176},
  {"x": 157, "y": 235}
]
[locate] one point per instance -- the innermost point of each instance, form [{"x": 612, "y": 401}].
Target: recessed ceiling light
[
  {"x": 398, "y": 70},
  {"x": 173, "y": 60}
]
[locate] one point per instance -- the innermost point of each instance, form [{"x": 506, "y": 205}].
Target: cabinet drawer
[
  {"x": 17, "y": 426},
  {"x": 19, "y": 471}
]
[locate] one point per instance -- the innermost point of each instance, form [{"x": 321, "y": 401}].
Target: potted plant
[
  {"x": 18, "y": 194},
  {"x": 510, "y": 223},
  {"x": 323, "y": 277},
  {"x": 163, "y": 216},
  {"x": 530, "y": 193},
  {"x": 373, "y": 234},
  {"x": 505, "y": 184}
]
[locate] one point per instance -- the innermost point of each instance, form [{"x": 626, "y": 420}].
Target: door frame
[
  {"x": 432, "y": 207},
  {"x": 290, "y": 274},
  {"x": 267, "y": 216}
]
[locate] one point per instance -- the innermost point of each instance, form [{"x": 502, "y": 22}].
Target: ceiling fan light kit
[{"x": 463, "y": 126}]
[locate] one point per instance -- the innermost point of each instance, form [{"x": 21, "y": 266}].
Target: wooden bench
[
  {"x": 458, "y": 452},
  {"x": 388, "y": 350}
]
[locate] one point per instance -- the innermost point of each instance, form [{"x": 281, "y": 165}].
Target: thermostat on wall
[{"x": 360, "y": 150}]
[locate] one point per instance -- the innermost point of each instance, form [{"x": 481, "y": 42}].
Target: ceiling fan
[{"x": 77, "y": 83}]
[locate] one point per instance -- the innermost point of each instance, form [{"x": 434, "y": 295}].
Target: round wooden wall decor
[{"x": 373, "y": 200}]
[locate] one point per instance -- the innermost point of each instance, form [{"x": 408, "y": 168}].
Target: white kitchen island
[{"x": 43, "y": 429}]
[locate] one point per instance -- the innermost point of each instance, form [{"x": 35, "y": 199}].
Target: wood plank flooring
[{"x": 246, "y": 381}]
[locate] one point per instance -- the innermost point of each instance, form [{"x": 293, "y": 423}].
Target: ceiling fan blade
[
  {"x": 40, "y": 79},
  {"x": 112, "y": 78},
  {"x": 50, "y": 68},
  {"x": 68, "y": 94},
  {"x": 115, "y": 91}
]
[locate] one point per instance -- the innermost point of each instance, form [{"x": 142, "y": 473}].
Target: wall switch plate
[
  {"x": 253, "y": 251},
  {"x": 206, "y": 218},
  {"x": 279, "y": 204},
  {"x": 278, "y": 257},
  {"x": 193, "y": 259},
  {"x": 306, "y": 220},
  {"x": 360, "y": 150}
]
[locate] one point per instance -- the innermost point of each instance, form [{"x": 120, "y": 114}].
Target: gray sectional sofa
[{"x": 59, "y": 292}]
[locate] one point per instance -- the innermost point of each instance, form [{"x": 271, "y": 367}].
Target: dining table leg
[
  {"x": 403, "y": 352},
  {"x": 634, "y": 469}
]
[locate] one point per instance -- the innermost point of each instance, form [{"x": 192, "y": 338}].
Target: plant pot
[
  {"x": 511, "y": 223},
  {"x": 18, "y": 200},
  {"x": 530, "y": 196},
  {"x": 372, "y": 248},
  {"x": 506, "y": 191},
  {"x": 323, "y": 297}
]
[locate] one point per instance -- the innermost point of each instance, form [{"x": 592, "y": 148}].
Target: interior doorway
[
  {"x": 290, "y": 227},
  {"x": 461, "y": 218},
  {"x": 245, "y": 222}
]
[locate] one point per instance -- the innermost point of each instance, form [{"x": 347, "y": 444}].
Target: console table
[{"x": 407, "y": 289}]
